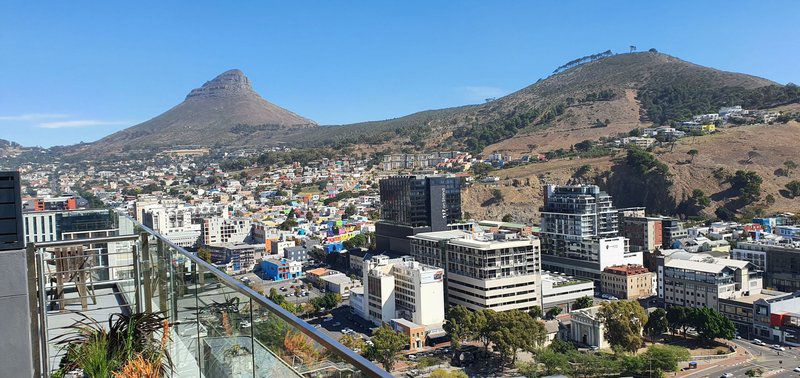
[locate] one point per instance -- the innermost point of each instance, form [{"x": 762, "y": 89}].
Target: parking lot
[
  {"x": 285, "y": 288},
  {"x": 340, "y": 319}
]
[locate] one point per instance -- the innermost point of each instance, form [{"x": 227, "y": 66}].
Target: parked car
[
  {"x": 347, "y": 331},
  {"x": 608, "y": 297},
  {"x": 797, "y": 369},
  {"x": 778, "y": 347},
  {"x": 327, "y": 319},
  {"x": 726, "y": 375},
  {"x": 758, "y": 342}
]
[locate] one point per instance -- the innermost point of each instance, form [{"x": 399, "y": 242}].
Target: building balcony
[{"x": 219, "y": 326}]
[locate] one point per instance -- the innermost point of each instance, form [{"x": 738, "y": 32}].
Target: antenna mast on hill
[{"x": 633, "y": 48}]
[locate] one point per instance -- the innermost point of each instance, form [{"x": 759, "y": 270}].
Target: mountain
[
  {"x": 605, "y": 88},
  {"x": 224, "y": 111}
]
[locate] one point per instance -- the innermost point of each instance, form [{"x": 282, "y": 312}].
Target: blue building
[{"x": 281, "y": 269}]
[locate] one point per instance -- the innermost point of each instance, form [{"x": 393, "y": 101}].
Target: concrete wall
[{"x": 15, "y": 343}]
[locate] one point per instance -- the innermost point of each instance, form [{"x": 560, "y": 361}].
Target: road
[{"x": 772, "y": 362}]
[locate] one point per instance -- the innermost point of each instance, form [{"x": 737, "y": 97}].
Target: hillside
[
  {"x": 225, "y": 111},
  {"x": 719, "y": 155}
]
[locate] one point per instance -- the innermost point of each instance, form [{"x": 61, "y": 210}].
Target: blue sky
[{"x": 75, "y": 71}]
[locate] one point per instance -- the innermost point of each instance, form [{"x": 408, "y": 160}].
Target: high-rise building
[
  {"x": 403, "y": 288},
  {"x": 579, "y": 231},
  {"x": 498, "y": 271},
  {"x": 414, "y": 204},
  {"x": 226, "y": 230}
]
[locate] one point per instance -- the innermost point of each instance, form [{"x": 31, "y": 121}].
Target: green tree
[
  {"x": 678, "y": 318},
  {"x": 623, "y": 321},
  {"x": 356, "y": 241},
  {"x": 515, "y": 330},
  {"x": 657, "y": 324},
  {"x": 442, "y": 373},
  {"x": 508, "y": 218},
  {"x": 692, "y": 153},
  {"x": 790, "y": 166},
  {"x": 583, "y": 302},
  {"x": 710, "y": 324},
  {"x": 794, "y": 188},
  {"x": 748, "y": 184},
  {"x": 349, "y": 211},
  {"x": 553, "y": 312},
  {"x": 459, "y": 326},
  {"x": 482, "y": 323},
  {"x": 356, "y": 344},
  {"x": 386, "y": 345},
  {"x": 535, "y": 312},
  {"x": 497, "y": 195},
  {"x": 204, "y": 254},
  {"x": 665, "y": 357}
]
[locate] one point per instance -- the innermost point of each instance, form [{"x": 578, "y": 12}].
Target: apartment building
[
  {"x": 645, "y": 233},
  {"x": 498, "y": 271},
  {"x": 579, "y": 232},
  {"x": 403, "y": 288},
  {"x": 174, "y": 222},
  {"x": 281, "y": 269},
  {"x": 628, "y": 282},
  {"x": 226, "y": 230}
]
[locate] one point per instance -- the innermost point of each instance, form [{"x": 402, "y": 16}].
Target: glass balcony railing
[{"x": 222, "y": 328}]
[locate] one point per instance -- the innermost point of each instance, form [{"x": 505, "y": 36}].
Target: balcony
[{"x": 220, "y": 327}]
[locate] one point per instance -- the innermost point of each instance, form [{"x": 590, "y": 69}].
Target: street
[{"x": 773, "y": 363}]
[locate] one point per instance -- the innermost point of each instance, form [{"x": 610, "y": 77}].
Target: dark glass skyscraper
[{"x": 414, "y": 204}]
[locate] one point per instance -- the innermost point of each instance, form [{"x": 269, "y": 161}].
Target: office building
[
  {"x": 579, "y": 232},
  {"x": 414, "y": 204},
  {"x": 403, "y": 288},
  {"x": 779, "y": 259},
  {"x": 498, "y": 271},
  {"x": 560, "y": 290},
  {"x": 628, "y": 282},
  {"x": 700, "y": 280}
]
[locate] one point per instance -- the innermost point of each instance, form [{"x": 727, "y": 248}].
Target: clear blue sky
[{"x": 75, "y": 71}]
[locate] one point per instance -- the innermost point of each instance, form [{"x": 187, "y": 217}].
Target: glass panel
[
  {"x": 184, "y": 350},
  {"x": 226, "y": 347}
]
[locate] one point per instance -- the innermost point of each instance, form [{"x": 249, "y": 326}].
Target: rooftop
[{"x": 627, "y": 270}]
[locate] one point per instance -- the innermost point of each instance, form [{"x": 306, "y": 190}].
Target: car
[
  {"x": 595, "y": 348},
  {"x": 317, "y": 326},
  {"x": 327, "y": 319},
  {"x": 797, "y": 369},
  {"x": 245, "y": 324},
  {"x": 726, "y": 375},
  {"x": 412, "y": 356},
  {"x": 778, "y": 347},
  {"x": 337, "y": 324},
  {"x": 758, "y": 342},
  {"x": 347, "y": 331}
]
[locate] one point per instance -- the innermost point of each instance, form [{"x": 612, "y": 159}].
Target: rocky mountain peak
[{"x": 229, "y": 83}]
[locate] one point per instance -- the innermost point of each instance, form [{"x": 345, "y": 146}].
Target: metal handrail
[{"x": 366, "y": 366}]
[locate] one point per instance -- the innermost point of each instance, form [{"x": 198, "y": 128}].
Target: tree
[
  {"x": 794, "y": 188},
  {"x": 757, "y": 372},
  {"x": 204, "y": 253},
  {"x": 356, "y": 344},
  {"x": 553, "y": 312},
  {"x": 692, "y": 153},
  {"x": 623, "y": 321},
  {"x": 482, "y": 323},
  {"x": 357, "y": 241},
  {"x": 583, "y": 302},
  {"x": 656, "y": 324},
  {"x": 748, "y": 184},
  {"x": 459, "y": 326},
  {"x": 666, "y": 357},
  {"x": 790, "y": 166},
  {"x": 497, "y": 195},
  {"x": 442, "y": 373},
  {"x": 386, "y": 345},
  {"x": 514, "y": 330},
  {"x": 584, "y": 146},
  {"x": 710, "y": 324},
  {"x": 508, "y": 218},
  {"x": 678, "y": 317},
  {"x": 349, "y": 211},
  {"x": 535, "y": 312}
]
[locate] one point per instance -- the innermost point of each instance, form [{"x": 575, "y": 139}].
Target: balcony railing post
[
  {"x": 163, "y": 279},
  {"x": 137, "y": 276},
  {"x": 45, "y": 354},
  {"x": 147, "y": 273},
  {"x": 33, "y": 293}
]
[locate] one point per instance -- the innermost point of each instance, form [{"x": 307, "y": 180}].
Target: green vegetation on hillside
[
  {"x": 640, "y": 179},
  {"x": 671, "y": 101}
]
